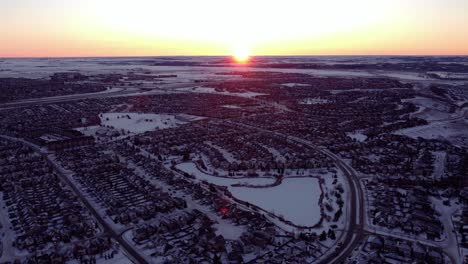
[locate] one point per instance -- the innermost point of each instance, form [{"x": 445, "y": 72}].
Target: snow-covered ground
[
  {"x": 439, "y": 164},
  {"x": 442, "y": 124},
  {"x": 52, "y": 137},
  {"x": 428, "y": 102},
  {"x": 311, "y": 101},
  {"x": 120, "y": 125},
  {"x": 118, "y": 258},
  {"x": 43, "y": 68},
  {"x": 228, "y": 230},
  {"x": 226, "y": 154},
  {"x": 451, "y": 75},
  {"x": 223, "y": 226},
  {"x": 210, "y": 90},
  {"x": 294, "y": 84},
  {"x": 430, "y": 109},
  {"x": 297, "y": 199},
  {"x": 449, "y": 242},
  {"x": 276, "y": 154},
  {"x": 8, "y": 236},
  {"x": 454, "y": 131},
  {"x": 411, "y": 76},
  {"x": 192, "y": 169},
  {"x": 140, "y": 123},
  {"x": 358, "y": 136},
  {"x": 89, "y": 131},
  {"x": 231, "y": 106}
]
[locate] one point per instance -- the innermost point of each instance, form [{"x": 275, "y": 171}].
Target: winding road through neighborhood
[
  {"x": 354, "y": 233},
  {"x": 356, "y": 214}
]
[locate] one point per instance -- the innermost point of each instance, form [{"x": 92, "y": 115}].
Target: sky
[{"x": 58, "y": 28}]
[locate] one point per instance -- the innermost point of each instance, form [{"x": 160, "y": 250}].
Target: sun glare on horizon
[
  {"x": 206, "y": 27},
  {"x": 241, "y": 55}
]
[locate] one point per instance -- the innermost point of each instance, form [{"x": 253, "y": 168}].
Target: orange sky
[{"x": 56, "y": 28}]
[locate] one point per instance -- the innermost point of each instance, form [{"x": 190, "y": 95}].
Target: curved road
[
  {"x": 356, "y": 214},
  {"x": 355, "y": 229}
]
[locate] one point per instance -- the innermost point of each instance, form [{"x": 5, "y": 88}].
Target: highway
[
  {"x": 355, "y": 227},
  {"x": 68, "y": 98},
  {"x": 125, "y": 91}
]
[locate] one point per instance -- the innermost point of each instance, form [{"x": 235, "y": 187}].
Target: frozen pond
[{"x": 296, "y": 199}]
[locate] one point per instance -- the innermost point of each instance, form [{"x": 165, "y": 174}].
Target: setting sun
[{"x": 241, "y": 55}]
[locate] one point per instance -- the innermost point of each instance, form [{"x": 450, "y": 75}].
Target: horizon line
[{"x": 253, "y": 56}]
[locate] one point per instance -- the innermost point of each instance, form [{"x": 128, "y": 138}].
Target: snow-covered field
[
  {"x": 52, "y": 137},
  {"x": 428, "y": 102},
  {"x": 451, "y": 75},
  {"x": 297, "y": 199},
  {"x": 140, "y": 123},
  {"x": 357, "y": 135},
  {"x": 90, "y": 130},
  {"x": 42, "y": 68},
  {"x": 210, "y": 90},
  {"x": 430, "y": 109},
  {"x": 453, "y": 131},
  {"x": 443, "y": 124},
  {"x": 294, "y": 84},
  {"x": 411, "y": 76},
  {"x": 311, "y": 101},
  {"x": 231, "y": 106},
  {"x": 439, "y": 164}
]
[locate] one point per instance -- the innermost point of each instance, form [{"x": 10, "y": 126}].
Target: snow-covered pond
[{"x": 296, "y": 199}]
